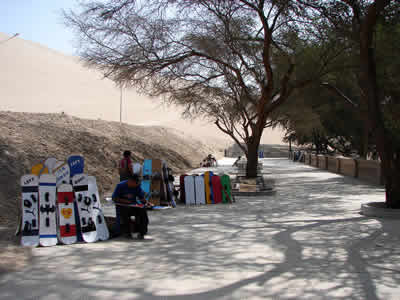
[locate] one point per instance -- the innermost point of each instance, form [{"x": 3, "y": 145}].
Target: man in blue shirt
[{"x": 129, "y": 192}]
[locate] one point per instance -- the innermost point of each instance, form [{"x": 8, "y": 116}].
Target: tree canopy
[{"x": 233, "y": 62}]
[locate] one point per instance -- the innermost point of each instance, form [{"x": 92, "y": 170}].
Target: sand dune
[{"x": 34, "y": 78}]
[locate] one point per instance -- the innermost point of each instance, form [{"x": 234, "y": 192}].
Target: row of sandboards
[
  {"x": 205, "y": 189},
  {"x": 61, "y": 204},
  {"x": 156, "y": 184}
]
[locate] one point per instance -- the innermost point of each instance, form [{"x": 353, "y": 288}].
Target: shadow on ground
[{"x": 306, "y": 242}]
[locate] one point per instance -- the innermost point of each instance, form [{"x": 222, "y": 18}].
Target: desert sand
[{"x": 37, "y": 79}]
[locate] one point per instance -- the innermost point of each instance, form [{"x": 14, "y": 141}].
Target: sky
[{"x": 39, "y": 21}]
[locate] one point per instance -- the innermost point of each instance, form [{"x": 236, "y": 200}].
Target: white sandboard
[
  {"x": 62, "y": 173},
  {"x": 137, "y": 168},
  {"x": 200, "y": 190},
  {"x": 30, "y": 210},
  {"x": 189, "y": 190},
  {"x": 47, "y": 209},
  {"x": 66, "y": 214},
  {"x": 50, "y": 163},
  {"x": 98, "y": 216},
  {"x": 85, "y": 208}
]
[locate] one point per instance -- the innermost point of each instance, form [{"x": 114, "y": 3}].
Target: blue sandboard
[
  {"x": 76, "y": 165},
  {"x": 146, "y": 182}
]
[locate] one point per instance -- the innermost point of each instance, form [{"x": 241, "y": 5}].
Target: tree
[
  {"x": 321, "y": 119},
  {"x": 361, "y": 24},
  {"x": 231, "y": 61}
]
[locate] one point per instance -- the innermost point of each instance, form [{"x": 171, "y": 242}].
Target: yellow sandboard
[
  {"x": 39, "y": 169},
  {"x": 207, "y": 187}
]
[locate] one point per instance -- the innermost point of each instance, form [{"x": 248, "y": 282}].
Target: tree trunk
[
  {"x": 392, "y": 185},
  {"x": 391, "y": 173},
  {"x": 252, "y": 159}
]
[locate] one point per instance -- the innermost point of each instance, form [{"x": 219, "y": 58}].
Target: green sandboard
[{"x": 226, "y": 189}]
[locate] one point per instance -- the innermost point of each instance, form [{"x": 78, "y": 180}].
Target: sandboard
[
  {"x": 50, "y": 164},
  {"x": 217, "y": 189},
  {"x": 207, "y": 187},
  {"x": 157, "y": 186},
  {"x": 168, "y": 185},
  {"x": 39, "y": 169},
  {"x": 146, "y": 182},
  {"x": 190, "y": 190},
  {"x": 160, "y": 207},
  {"x": 30, "y": 210},
  {"x": 66, "y": 214},
  {"x": 47, "y": 209},
  {"x": 182, "y": 187},
  {"x": 137, "y": 169},
  {"x": 226, "y": 189},
  {"x": 85, "y": 208},
  {"x": 98, "y": 216},
  {"x": 76, "y": 165},
  {"x": 171, "y": 187},
  {"x": 200, "y": 190},
  {"x": 62, "y": 173}
]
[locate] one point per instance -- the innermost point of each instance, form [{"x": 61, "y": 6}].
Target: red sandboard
[
  {"x": 182, "y": 187},
  {"x": 65, "y": 202},
  {"x": 217, "y": 188}
]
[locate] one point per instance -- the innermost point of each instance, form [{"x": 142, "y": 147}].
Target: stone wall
[{"x": 366, "y": 170}]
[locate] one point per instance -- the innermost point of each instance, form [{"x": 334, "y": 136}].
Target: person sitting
[
  {"x": 125, "y": 166},
  {"x": 130, "y": 192}
]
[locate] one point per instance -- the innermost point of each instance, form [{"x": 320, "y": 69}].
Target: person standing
[{"x": 125, "y": 166}]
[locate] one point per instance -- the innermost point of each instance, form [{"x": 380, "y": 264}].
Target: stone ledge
[
  {"x": 254, "y": 194},
  {"x": 378, "y": 209}
]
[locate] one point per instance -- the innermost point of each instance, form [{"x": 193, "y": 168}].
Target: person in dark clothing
[
  {"x": 130, "y": 192},
  {"x": 125, "y": 166}
]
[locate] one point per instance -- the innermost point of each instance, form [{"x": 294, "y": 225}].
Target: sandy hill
[
  {"x": 26, "y": 139},
  {"x": 34, "y": 78}
]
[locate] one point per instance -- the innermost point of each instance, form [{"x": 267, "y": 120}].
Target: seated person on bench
[{"x": 129, "y": 192}]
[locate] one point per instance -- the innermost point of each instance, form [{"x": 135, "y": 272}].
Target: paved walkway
[{"x": 306, "y": 242}]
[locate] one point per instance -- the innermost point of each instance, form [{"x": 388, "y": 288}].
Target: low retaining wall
[
  {"x": 367, "y": 170},
  {"x": 348, "y": 167},
  {"x": 322, "y": 162},
  {"x": 333, "y": 164}
]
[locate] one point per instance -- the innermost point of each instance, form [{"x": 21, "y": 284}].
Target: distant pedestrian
[{"x": 125, "y": 166}]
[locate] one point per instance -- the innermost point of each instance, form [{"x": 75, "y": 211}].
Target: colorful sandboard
[
  {"x": 98, "y": 216},
  {"x": 66, "y": 215},
  {"x": 208, "y": 187},
  {"x": 76, "y": 165},
  {"x": 30, "y": 210},
  {"x": 157, "y": 186},
  {"x": 146, "y": 182},
  {"x": 226, "y": 189},
  {"x": 62, "y": 173},
  {"x": 137, "y": 169},
  {"x": 200, "y": 190},
  {"x": 168, "y": 184},
  {"x": 50, "y": 164},
  {"x": 190, "y": 194},
  {"x": 85, "y": 208},
  {"x": 47, "y": 209},
  {"x": 39, "y": 169},
  {"x": 182, "y": 188},
  {"x": 216, "y": 188}
]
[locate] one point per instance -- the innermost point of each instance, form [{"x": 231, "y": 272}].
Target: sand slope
[
  {"x": 34, "y": 78},
  {"x": 26, "y": 139}
]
